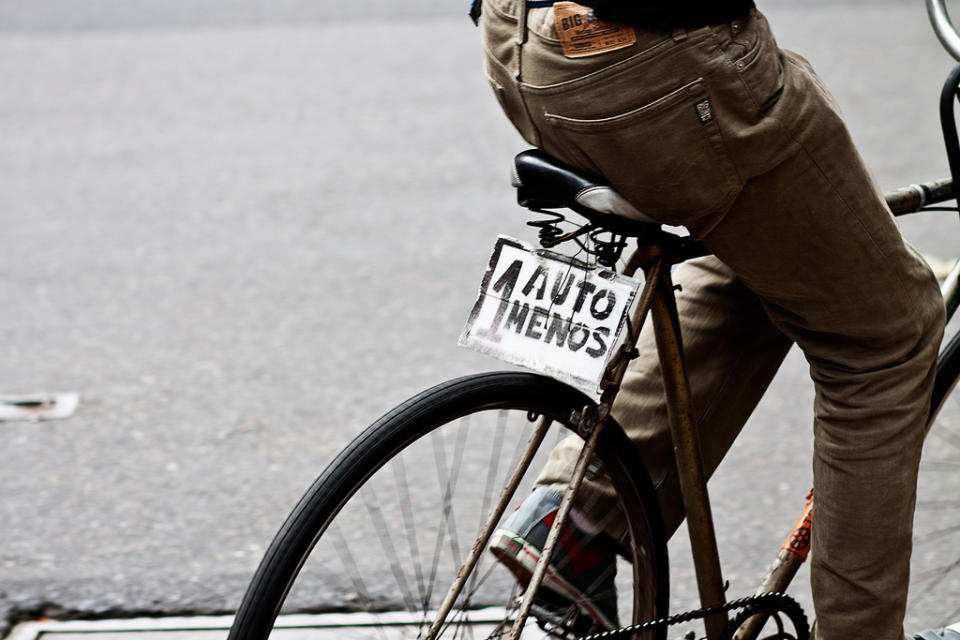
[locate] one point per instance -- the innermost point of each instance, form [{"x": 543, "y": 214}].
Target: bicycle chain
[{"x": 760, "y": 603}]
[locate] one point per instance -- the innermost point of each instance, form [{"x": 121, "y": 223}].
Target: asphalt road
[{"x": 242, "y": 231}]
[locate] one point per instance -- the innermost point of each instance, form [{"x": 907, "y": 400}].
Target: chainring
[
  {"x": 778, "y": 609},
  {"x": 777, "y": 605}
]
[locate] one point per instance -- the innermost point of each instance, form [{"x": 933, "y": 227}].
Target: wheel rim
[{"x": 391, "y": 551}]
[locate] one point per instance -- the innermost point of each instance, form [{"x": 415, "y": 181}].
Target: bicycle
[{"x": 470, "y": 425}]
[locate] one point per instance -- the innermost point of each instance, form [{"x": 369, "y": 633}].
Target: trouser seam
[
  {"x": 727, "y": 63},
  {"x": 907, "y": 293},
  {"x": 521, "y": 40},
  {"x": 850, "y": 210}
]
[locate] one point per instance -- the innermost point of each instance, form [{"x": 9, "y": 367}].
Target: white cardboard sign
[{"x": 550, "y": 313}]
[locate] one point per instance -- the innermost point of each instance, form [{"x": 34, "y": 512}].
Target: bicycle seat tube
[{"x": 658, "y": 299}]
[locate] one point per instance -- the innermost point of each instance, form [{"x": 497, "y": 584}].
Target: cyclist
[{"x": 694, "y": 114}]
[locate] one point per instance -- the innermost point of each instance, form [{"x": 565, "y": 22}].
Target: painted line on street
[{"x": 290, "y": 627}]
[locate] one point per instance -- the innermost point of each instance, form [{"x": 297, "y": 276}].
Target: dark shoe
[{"x": 583, "y": 566}]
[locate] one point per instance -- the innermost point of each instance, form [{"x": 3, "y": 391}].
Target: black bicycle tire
[
  {"x": 929, "y": 522},
  {"x": 948, "y": 372},
  {"x": 400, "y": 427}
]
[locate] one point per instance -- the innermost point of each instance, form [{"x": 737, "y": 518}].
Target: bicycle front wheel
[
  {"x": 934, "y": 597},
  {"x": 380, "y": 535}
]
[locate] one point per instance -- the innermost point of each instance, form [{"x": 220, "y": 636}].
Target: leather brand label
[{"x": 582, "y": 34}]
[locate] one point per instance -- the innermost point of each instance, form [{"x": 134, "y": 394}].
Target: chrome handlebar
[{"x": 943, "y": 27}]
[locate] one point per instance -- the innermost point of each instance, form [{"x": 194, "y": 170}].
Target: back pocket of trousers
[{"x": 667, "y": 157}]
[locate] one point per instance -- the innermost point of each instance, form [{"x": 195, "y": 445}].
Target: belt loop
[
  {"x": 679, "y": 34},
  {"x": 521, "y": 36},
  {"x": 522, "y": 23}
]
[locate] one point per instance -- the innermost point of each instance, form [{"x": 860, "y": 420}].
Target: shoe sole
[{"x": 522, "y": 565}]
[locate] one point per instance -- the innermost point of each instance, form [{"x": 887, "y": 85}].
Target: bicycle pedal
[{"x": 562, "y": 620}]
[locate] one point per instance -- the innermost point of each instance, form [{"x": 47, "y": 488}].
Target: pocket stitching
[
  {"x": 748, "y": 59},
  {"x": 744, "y": 66},
  {"x": 584, "y": 125}
]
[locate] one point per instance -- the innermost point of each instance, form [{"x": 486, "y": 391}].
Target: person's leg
[
  {"x": 814, "y": 239},
  {"x": 732, "y": 352},
  {"x": 720, "y": 131}
]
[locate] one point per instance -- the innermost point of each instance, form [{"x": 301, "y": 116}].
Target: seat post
[{"x": 659, "y": 301}]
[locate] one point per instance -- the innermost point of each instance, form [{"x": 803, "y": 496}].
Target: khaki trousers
[{"x": 719, "y": 130}]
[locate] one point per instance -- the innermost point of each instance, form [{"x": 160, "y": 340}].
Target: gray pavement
[{"x": 241, "y": 236}]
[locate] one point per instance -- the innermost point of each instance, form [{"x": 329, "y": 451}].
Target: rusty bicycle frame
[
  {"x": 656, "y": 254},
  {"x": 657, "y": 300}
]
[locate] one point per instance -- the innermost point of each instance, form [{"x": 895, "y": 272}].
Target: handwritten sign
[{"x": 550, "y": 313}]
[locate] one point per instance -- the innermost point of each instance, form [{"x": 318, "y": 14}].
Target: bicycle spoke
[
  {"x": 503, "y": 626},
  {"x": 353, "y": 571},
  {"x": 442, "y": 529},
  {"x": 937, "y": 505},
  {"x": 464, "y": 630},
  {"x": 930, "y": 591},
  {"x": 944, "y": 466},
  {"x": 462, "y": 611},
  {"x": 936, "y": 575},
  {"x": 948, "y": 436},
  {"x": 496, "y": 453},
  {"x": 935, "y": 535},
  {"x": 449, "y": 483},
  {"x": 380, "y": 526},
  {"x": 435, "y": 560},
  {"x": 476, "y": 588},
  {"x": 493, "y": 467},
  {"x": 406, "y": 512}
]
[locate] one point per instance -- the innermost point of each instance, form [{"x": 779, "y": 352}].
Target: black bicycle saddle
[{"x": 543, "y": 182}]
